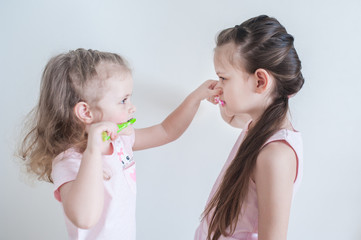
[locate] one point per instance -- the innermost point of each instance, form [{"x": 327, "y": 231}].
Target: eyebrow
[
  {"x": 221, "y": 73},
  {"x": 126, "y": 96}
]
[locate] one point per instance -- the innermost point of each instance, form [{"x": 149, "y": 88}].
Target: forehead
[
  {"x": 112, "y": 73},
  {"x": 115, "y": 89},
  {"x": 228, "y": 57},
  {"x": 119, "y": 83},
  {"x": 111, "y": 79},
  {"x": 106, "y": 70}
]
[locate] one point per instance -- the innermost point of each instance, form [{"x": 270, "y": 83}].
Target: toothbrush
[
  {"x": 121, "y": 126},
  {"x": 217, "y": 100}
]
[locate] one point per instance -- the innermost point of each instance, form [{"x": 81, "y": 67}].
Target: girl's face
[
  {"x": 236, "y": 84},
  {"x": 116, "y": 105}
]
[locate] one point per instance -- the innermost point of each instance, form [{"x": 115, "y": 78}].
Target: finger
[
  {"x": 210, "y": 99},
  {"x": 111, "y": 129},
  {"x": 213, "y": 100},
  {"x": 114, "y": 135},
  {"x": 212, "y": 84},
  {"x": 215, "y": 92}
]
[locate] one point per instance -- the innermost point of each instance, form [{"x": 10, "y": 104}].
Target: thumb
[
  {"x": 212, "y": 84},
  {"x": 216, "y": 91}
]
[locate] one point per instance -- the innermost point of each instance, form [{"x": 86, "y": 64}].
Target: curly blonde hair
[{"x": 53, "y": 126}]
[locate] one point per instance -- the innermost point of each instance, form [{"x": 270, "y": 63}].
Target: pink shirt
[
  {"x": 118, "y": 218},
  {"x": 247, "y": 225}
]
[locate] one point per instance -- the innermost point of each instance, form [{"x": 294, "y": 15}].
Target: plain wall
[{"x": 169, "y": 45}]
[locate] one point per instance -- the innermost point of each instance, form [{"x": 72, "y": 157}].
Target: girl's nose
[
  {"x": 132, "y": 108},
  {"x": 219, "y": 87}
]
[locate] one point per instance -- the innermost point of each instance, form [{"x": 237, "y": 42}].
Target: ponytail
[
  {"x": 264, "y": 43},
  {"x": 233, "y": 190}
]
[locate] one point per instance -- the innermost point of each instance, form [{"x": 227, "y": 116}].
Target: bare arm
[
  {"x": 83, "y": 198},
  {"x": 274, "y": 176},
  {"x": 177, "y": 122}
]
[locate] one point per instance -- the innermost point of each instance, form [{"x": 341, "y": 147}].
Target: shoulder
[
  {"x": 276, "y": 150},
  {"x": 68, "y": 155},
  {"x": 65, "y": 162},
  {"x": 276, "y": 160}
]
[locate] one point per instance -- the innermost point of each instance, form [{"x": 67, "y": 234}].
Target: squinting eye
[
  {"x": 222, "y": 78},
  {"x": 124, "y": 100}
]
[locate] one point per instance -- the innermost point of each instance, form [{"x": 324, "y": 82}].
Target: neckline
[{"x": 246, "y": 126}]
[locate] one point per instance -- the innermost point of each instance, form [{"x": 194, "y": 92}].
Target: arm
[
  {"x": 274, "y": 176},
  {"x": 83, "y": 198},
  {"x": 177, "y": 122}
]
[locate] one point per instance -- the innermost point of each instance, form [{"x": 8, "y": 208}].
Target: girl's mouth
[
  {"x": 126, "y": 124},
  {"x": 218, "y": 100}
]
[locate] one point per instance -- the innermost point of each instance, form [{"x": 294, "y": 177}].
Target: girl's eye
[
  {"x": 124, "y": 100},
  {"x": 222, "y": 78}
]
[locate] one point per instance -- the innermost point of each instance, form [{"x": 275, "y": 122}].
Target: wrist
[{"x": 195, "y": 97}]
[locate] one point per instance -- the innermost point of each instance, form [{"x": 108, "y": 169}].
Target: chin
[{"x": 228, "y": 112}]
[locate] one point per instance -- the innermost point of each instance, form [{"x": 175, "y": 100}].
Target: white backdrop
[{"x": 169, "y": 45}]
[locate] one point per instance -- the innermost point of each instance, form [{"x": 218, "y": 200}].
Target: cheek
[
  {"x": 122, "y": 115},
  {"x": 230, "y": 94},
  {"x": 234, "y": 98},
  {"x": 114, "y": 114},
  {"x": 98, "y": 114}
]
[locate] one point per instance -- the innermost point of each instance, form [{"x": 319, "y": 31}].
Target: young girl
[
  {"x": 259, "y": 71},
  {"x": 84, "y": 94}
]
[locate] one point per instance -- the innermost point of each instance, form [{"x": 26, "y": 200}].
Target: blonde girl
[{"x": 84, "y": 94}]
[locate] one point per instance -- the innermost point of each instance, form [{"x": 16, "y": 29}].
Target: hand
[
  {"x": 127, "y": 131},
  {"x": 207, "y": 90},
  {"x": 95, "y": 141},
  {"x": 237, "y": 121}
]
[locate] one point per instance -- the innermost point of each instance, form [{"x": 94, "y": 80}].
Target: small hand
[
  {"x": 95, "y": 133},
  {"x": 214, "y": 95},
  {"x": 208, "y": 90},
  {"x": 121, "y": 126}
]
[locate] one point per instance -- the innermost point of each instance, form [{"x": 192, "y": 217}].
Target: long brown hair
[
  {"x": 262, "y": 42},
  {"x": 53, "y": 126}
]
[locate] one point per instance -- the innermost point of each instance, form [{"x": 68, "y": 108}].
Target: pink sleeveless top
[{"x": 247, "y": 226}]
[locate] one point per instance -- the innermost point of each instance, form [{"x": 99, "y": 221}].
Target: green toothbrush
[{"x": 121, "y": 126}]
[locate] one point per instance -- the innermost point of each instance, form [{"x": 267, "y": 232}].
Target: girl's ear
[
  {"x": 83, "y": 113},
  {"x": 263, "y": 80}
]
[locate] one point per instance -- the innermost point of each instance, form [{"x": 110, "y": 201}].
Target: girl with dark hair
[{"x": 259, "y": 70}]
